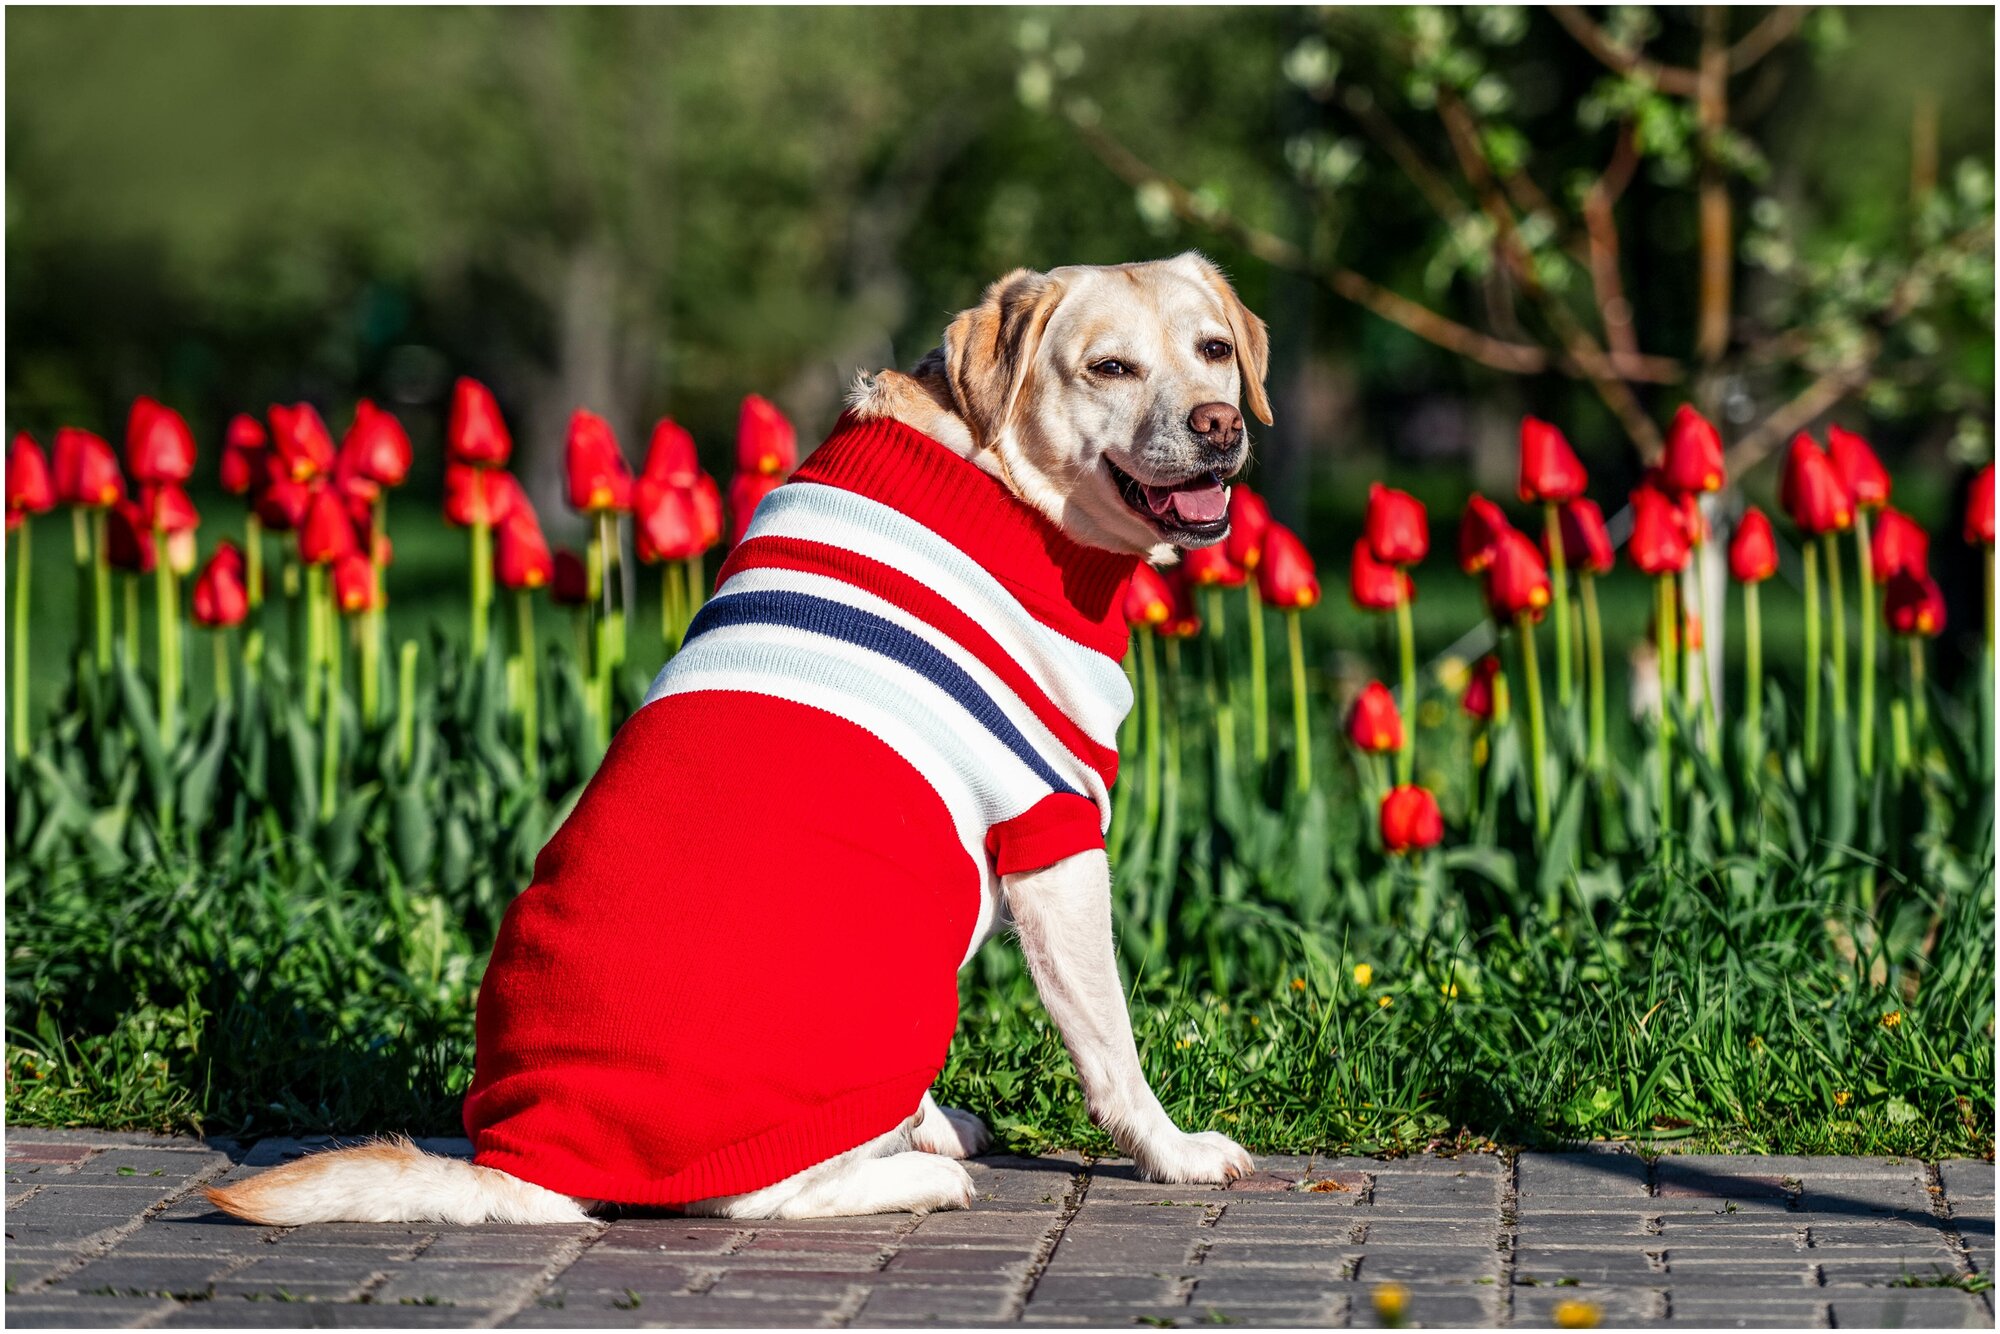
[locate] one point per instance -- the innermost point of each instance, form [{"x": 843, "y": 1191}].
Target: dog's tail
[{"x": 390, "y": 1181}]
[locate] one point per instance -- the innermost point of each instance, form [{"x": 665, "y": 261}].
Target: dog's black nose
[{"x": 1219, "y": 425}]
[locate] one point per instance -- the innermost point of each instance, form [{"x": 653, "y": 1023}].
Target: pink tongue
[{"x": 1198, "y": 504}]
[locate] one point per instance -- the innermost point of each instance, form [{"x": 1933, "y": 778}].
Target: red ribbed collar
[{"x": 1073, "y": 589}]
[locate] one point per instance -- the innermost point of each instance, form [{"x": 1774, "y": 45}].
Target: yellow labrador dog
[{"x": 1071, "y": 422}]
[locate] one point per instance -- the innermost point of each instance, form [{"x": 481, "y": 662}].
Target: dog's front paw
[
  {"x": 949, "y": 1131},
  {"x": 1207, "y": 1158}
]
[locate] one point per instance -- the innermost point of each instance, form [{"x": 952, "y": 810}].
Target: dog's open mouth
[{"x": 1195, "y": 507}]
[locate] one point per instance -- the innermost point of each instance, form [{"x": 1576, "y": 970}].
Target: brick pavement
[{"x": 107, "y": 1229}]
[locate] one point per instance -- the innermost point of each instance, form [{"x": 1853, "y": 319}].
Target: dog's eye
[
  {"x": 1216, "y": 350},
  {"x": 1111, "y": 366}
]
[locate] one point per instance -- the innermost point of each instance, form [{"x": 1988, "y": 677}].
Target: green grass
[{"x": 1821, "y": 984}]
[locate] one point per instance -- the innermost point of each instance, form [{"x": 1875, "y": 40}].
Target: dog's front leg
[{"x": 1063, "y": 916}]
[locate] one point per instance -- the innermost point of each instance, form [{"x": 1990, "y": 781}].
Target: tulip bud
[
  {"x": 242, "y": 453},
  {"x": 1210, "y": 567},
  {"x": 521, "y": 556},
  {"x": 353, "y": 583},
  {"x": 1478, "y": 530},
  {"x": 707, "y": 500},
  {"x": 30, "y": 488},
  {"x": 1410, "y": 819},
  {"x": 1285, "y": 576},
  {"x": 1374, "y": 586},
  {"x": 1397, "y": 528},
  {"x": 599, "y": 481},
  {"x": 746, "y": 489},
  {"x": 327, "y": 533},
  {"x": 1692, "y": 462},
  {"x": 1898, "y": 545},
  {"x": 1811, "y": 491},
  {"x": 86, "y": 471},
  {"x": 1147, "y": 601},
  {"x": 1753, "y": 551},
  {"x": 1586, "y": 545},
  {"x": 570, "y": 586},
  {"x": 300, "y": 441},
  {"x": 1913, "y": 605},
  {"x": 220, "y": 598},
  {"x": 477, "y": 434},
  {"x": 158, "y": 445},
  {"x": 376, "y": 446},
  {"x": 1659, "y": 543},
  {"x": 1183, "y": 621},
  {"x": 473, "y": 495},
  {"x": 1481, "y": 692},
  {"x": 670, "y": 458},
  {"x": 766, "y": 444},
  {"x": 1517, "y": 582},
  {"x": 1859, "y": 471},
  {"x": 280, "y": 500},
  {"x": 1249, "y": 516},
  {"x": 1550, "y": 469},
  {"x": 1373, "y": 723},
  {"x": 664, "y": 526},
  {"x": 1979, "y": 509}
]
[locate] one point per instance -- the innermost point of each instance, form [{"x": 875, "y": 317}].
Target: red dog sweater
[{"x": 739, "y": 954}]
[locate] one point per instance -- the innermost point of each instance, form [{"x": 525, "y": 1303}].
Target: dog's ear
[
  {"x": 1246, "y": 331},
  {"x": 988, "y": 349}
]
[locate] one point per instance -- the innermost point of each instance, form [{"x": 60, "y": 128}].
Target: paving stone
[
  {"x": 1230, "y": 1253},
  {"x": 118, "y": 1274},
  {"x": 985, "y": 1304},
  {"x": 1966, "y": 1179},
  {"x": 1392, "y": 1233},
  {"x": 1601, "y": 1177},
  {"x": 461, "y": 1284},
  {"x": 1548, "y": 1266},
  {"x": 1103, "y": 1291},
  {"x": 962, "y": 1260},
  {"x": 1397, "y": 1265},
  {"x": 1910, "y": 1308},
  {"x": 1612, "y": 1306},
  {"x": 42, "y": 1311}
]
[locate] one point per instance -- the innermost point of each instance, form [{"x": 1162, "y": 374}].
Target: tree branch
[
  {"x": 1667, "y": 78},
  {"x": 1770, "y": 33},
  {"x": 1620, "y": 328}
]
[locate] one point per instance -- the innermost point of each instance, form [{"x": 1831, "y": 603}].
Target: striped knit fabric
[{"x": 738, "y": 957}]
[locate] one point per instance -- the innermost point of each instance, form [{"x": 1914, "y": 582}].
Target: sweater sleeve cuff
[{"x": 1060, "y": 825}]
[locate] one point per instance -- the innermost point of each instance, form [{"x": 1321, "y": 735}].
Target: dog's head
[{"x": 1107, "y": 397}]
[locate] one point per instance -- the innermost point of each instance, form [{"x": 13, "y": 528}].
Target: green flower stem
[
  {"x": 1593, "y": 635},
  {"x": 223, "y": 679},
  {"x": 1537, "y": 725},
  {"x": 406, "y": 705},
  {"x": 614, "y": 616},
  {"x": 482, "y": 563},
  {"x": 131, "y": 629},
  {"x": 166, "y": 615},
  {"x": 1810, "y": 555},
  {"x": 79, "y": 545},
  {"x": 1121, "y": 807},
  {"x": 1919, "y": 708},
  {"x": 1406, "y": 642},
  {"x": 1260, "y": 688},
  {"x": 1837, "y": 627},
  {"x": 1753, "y": 676},
  {"x": 253, "y": 559},
  {"x": 1559, "y": 594},
  {"x": 1710, "y": 719},
  {"x": 1168, "y": 846},
  {"x": 1899, "y": 735},
  {"x": 17, "y": 707},
  {"x": 1870, "y": 609},
  {"x": 673, "y": 593},
  {"x": 1149, "y": 679},
  {"x": 697, "y": 594},
  {"x": 1301, "y": 731},
  {"x": 329, "y": 749},
  {"x": 101, "y": 596},
  {"x": 1218, "y": 649},
  {"x": 1667, "y": 638},
  {"x": 531, "y": 730},
  {"x": 370, "y": 627},
  {"x": 315, "y": 637}
]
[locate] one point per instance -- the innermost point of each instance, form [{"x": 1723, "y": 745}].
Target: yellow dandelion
[
  {"x": 1756, "y": 1042},
  {"x": 1298, "y": 984},
  {"x": 1384, "y": 1001},
  {"x": 1253, "y": 1021},
  {"x": 1574, "y": 1314},
  {"x": 1180, "y": 1044},
  {"x": 1363, "y": 974},
  {"x": 1449, "y": 990},
  {"x": 1392, "y": 1301},
  {"x": 1891, "y": 1019},
  {"x": 1842, "y": 1097}
]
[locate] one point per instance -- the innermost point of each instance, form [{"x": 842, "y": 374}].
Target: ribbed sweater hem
[{"x": 763, "y": 1159}]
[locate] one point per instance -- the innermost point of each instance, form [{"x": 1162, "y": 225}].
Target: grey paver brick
[
  {"x": 46, "y": 1312},
  {"x": 1101, "y": 1290},
  {"x": 1966, "y": 1179},
  {"x": 1591, "y": 1176},
  {"x": 1400, "y": 1265},
  {"x": 1910, "y": 1308}
]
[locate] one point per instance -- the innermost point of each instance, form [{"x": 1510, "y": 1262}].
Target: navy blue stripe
[{"x": 837, "y": 620}]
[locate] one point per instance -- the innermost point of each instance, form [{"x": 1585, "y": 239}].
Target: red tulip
[
  {"x": 1659, "y": 543},
  {"x": 128, "y": 543},
  {"x": 570, "y": 586},
  {"x": 1374, "y": 586},
  {"x": 1693, "y": 459},
  {"x": 664, "y": 521},
  {"x": 1549, "y": 467},
  {"x": 1753, "y": 551},
  {"x": 745, "y": 490},
  {"x": 1148, "y": 602},
  {"x": 353, "y": 583},
  {"x": 1210, "y": 567},
  {"x": 1373, "y": 723},
  {"x": 300, "y": 441},
  {"x": 1899, "y": 545},
  {"x": 1517, "y": 582},
  {"x": 1249, "y": 517},
  {"x": 1478, "y": 530},
  {"x": 168, "y": 509},
  {"x": 475, "y": 494},
  {"x": 281, "y": 500},
  {"x": 1410, "y": 819},
  {"x": 671, "y": 456},
  {"x": 86, "y": 470},
  {"x": 327, "y": 533},
  {"x": 1979, "y": 509},
  {"x": 707, "y": 500},
  {"x": 220, "y": 599},
  {"x": 1183, "y": 621},
  {"x": 1913, "y": 605},
  {"x": 1396, "y": 526},
  {"x": 30, "y": 488},
  {"x": 158, "y": 445},
  {"x": 1811, "y": 491},
  {"x": 477, "y": 434},
  {"x": 1586, "y": 546},
  {"x": 1285, "y": 576},
  {"x": 376, "y": 446},
  {"x": 1480, "y": 696},
  {"x": 766, "y": 444},
  {"x": 1855, "y": 464},
  {"x": 599, "y": 481},
  {"x": 242, "y": 453},
  {"x": 521, "y": 556}
]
